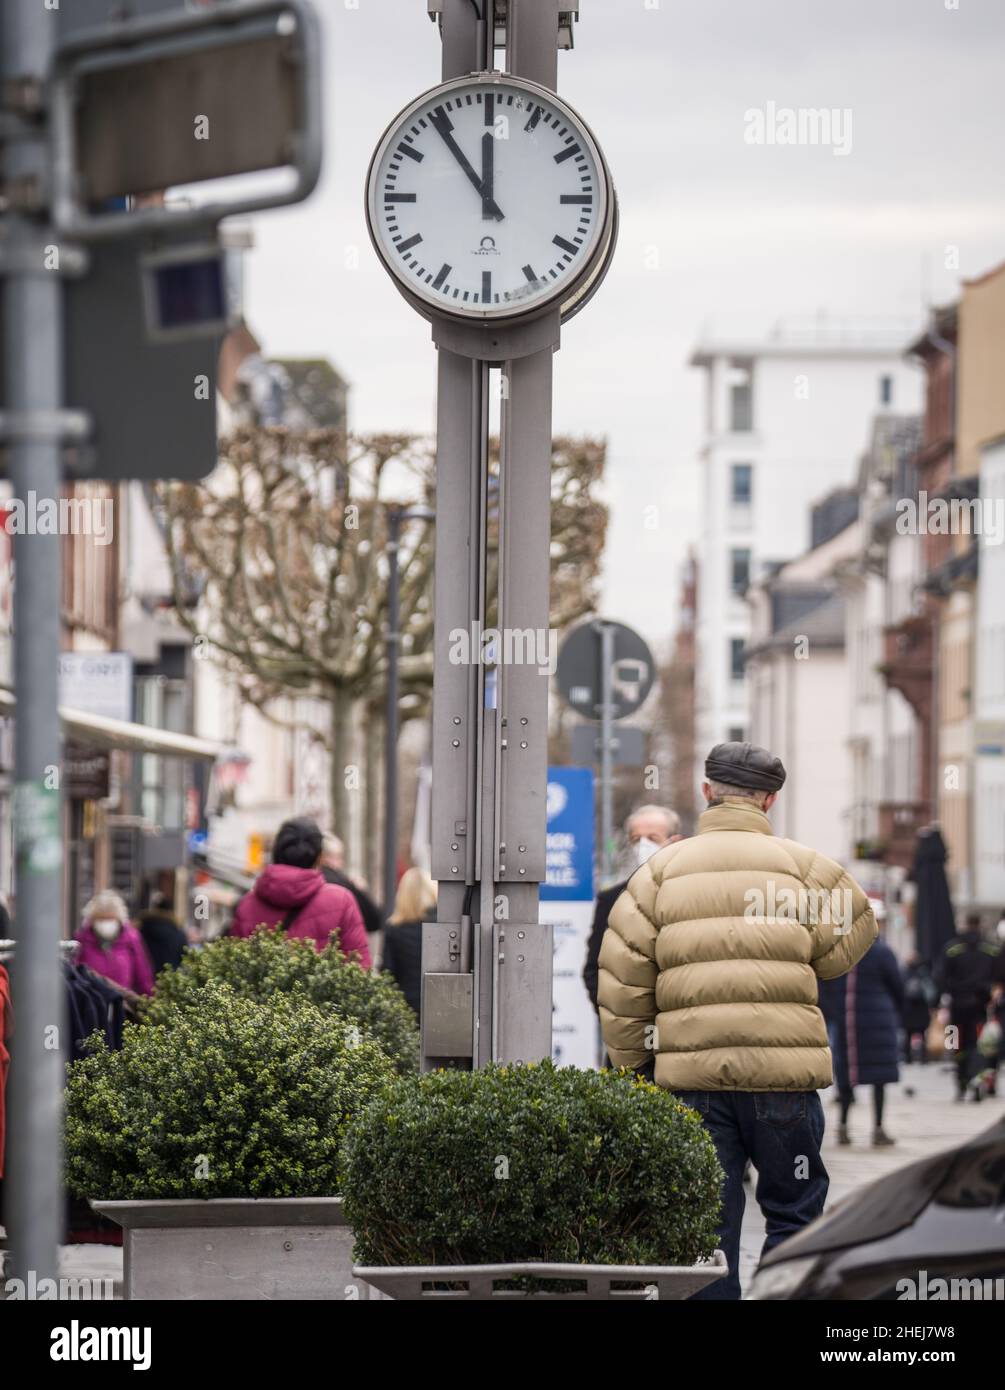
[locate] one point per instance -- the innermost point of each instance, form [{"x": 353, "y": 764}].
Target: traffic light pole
[
  {"x": 34, "y": 427},
  {"x": 487, "y": 961}
]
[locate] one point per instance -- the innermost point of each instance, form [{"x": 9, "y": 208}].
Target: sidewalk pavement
[{"x": 922, "y": 1124}]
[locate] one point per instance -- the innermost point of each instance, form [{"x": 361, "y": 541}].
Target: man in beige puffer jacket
[{"x": 708, "y": 977}]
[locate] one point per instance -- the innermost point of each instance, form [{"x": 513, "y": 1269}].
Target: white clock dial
[{"x": 488, "y": 198}]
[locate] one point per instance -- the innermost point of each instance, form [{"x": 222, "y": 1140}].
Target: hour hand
[{"x": 442, "y": 123}]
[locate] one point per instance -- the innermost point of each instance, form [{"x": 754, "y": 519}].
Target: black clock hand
[
  {"x": 489, "y": 207},
  {"x": 441, "y": 122}
]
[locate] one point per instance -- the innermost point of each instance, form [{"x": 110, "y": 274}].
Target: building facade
[{"x": 784, "y": 418}]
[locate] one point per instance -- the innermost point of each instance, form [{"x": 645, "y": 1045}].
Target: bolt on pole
[{"x": 33, "y": 401}]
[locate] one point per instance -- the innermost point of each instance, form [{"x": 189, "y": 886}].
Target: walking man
[{"x": 708, "y": 980}]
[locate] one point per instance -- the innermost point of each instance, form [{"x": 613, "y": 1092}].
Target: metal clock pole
[{"x": 487, "y": 961}]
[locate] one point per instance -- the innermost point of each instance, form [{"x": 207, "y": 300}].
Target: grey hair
[
  {"x": 721, "y": 789},
  {"x": 107, "y": 903},
  {"x": 671, "y": 817}
]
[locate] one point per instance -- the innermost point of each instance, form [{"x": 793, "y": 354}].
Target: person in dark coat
[
  {"x": 966, "y": 973},
  {"x": 162, "y": 934},
  {"x": 648, "y": 829},
  {"x": 920, "y": 998},
  {"x": 414, "y": 903},
  {"x": 863, "y": 1010},
  {"x": 333, "y": 869}
]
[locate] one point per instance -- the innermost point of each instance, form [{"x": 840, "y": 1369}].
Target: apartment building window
[
  {"x": 886, "y": 390},
  {"x": 741, "y": 484},
  {"x": 736, "y": 658},
  {"x": 741, "y": 395},
  {"x": 736, "y": 733},
  {"x": 739, "y": 570}
]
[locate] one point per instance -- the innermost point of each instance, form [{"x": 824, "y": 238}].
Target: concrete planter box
[
  {"x": 478, "y": 1281},
  {"x": 236, "y": 1248}
]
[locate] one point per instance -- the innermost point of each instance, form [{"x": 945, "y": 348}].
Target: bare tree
[{"x": 279, "y": 566}]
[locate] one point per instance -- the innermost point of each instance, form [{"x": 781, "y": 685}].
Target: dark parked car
[{"x": 907, "y": 1235}]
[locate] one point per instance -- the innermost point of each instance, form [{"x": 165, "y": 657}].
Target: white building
[
  {"x": 798, "y": 676},
  {"x": 785, "y": 418}
]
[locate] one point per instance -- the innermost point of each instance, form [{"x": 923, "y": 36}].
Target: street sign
[
  {"x": 97, "y": 683},
  {"x": 152, "y": 404},
  {"x": 628, "y": 745},
  {"x": 141, "y": 106},
  {"x": 580, "y": 670},
  {"x": 567, "y": 905}
]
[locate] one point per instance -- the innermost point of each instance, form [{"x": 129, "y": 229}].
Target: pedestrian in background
[
  {"x": 708, "y": 979},
  {"x": 414, "y": 903},
  {"x": 863, "y": 1010},
  {"x": 111, "y": 946},
  {"x": 920, "y": 997},
  {"x": 647, "y": 829},
  {"x": 333, "y": 868},
  {"x": 162, "y": 933},
  {"x": 293, "y": 895},
  {"x": 965, "y": 973}
]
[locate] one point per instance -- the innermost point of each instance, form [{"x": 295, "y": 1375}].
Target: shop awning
[{"x": 100, "y": 732}]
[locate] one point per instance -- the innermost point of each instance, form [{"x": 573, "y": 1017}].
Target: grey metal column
[
  {"x": 487, "y": 960},
  {"x": 32, "y": 401},
  {"x": 393, "y": 643},
  {"x": 523, "y": 953},
  {"x": 448, "y": 946}
]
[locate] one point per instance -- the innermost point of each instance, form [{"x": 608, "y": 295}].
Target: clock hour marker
[
  {"x": 412, "y": 154},
  {"x": 404, "y": 246},
  {"x": 565, "y": 245},
  {"x": 441, "y": 275},
  {"x": 486, "y": 286},
  {"x": 405, "y": 198},
  {"x": 567, "y": 153},
  {"x": 528, "y": 270},
  {"x": 535, "y": 117},
  {"x": 583, "y": 198},
  {"x": 490, "y": 108}
]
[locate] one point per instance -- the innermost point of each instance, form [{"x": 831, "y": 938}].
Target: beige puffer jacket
[{"x": 718, "y": 941}]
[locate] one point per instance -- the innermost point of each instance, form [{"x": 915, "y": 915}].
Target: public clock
[{"x": 489, "y": 199}]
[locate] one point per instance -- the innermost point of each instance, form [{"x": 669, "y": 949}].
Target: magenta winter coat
[
  {"x": 124, "y": 960},
  {"x": 325, "y": 910}
]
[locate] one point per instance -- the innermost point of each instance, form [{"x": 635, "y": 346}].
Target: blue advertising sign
[{"x": 570, "y": 835}]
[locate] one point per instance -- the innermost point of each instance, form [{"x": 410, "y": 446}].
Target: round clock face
[{"x": 488, "y": 198}]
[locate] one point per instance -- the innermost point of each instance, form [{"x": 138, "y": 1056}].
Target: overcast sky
[{"x": 743, "y": 234}]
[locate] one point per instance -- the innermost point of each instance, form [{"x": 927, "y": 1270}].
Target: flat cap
[{"x": 744, "y": 765}]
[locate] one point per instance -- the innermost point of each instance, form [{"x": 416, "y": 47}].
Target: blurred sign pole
[
  {"x": 606, "y": 735},
  {"x": 34, "y": 430}
]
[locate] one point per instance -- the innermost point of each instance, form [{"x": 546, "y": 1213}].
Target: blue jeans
[{"x": 781, "y": 1133}]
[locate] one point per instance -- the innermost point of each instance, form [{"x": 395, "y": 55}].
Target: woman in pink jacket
[
  {"x": 111, "y": 946},
  {"x": 292, "y": 893}
]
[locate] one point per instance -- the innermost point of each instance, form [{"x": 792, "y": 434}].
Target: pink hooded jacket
[
  {"x": 124, "y": 960},
  {"x": 325, "y": 910}
]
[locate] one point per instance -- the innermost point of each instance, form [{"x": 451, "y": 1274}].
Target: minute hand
[{"x": 441, "y": 121}]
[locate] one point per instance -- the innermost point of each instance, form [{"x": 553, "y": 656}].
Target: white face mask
[
  {"x": 107, "y": 928},
  {"x": 643, "y": 850}
]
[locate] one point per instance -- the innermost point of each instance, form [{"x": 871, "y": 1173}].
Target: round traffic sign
[{"x": 580, "y": 670}]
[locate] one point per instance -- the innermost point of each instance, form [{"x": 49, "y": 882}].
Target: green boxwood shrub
[
  {"x": 267, "y": 964},
  {"x": 227, "y": 1098},
  {"x": 530, "y": 1162}
]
